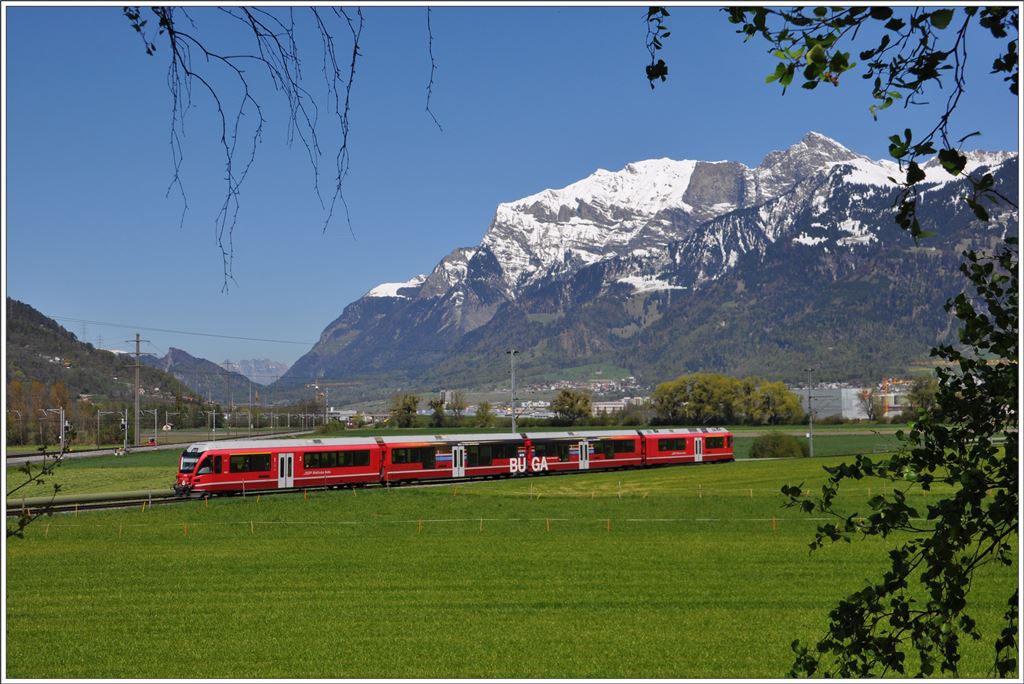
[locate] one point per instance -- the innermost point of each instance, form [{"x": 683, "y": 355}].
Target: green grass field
[{"x": 683, "y": 572}]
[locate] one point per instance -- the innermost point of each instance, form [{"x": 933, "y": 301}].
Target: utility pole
[
  {"x": 138, "y": 366},
  {"x": 810, "y": 413},
  {"x": 512, "y": 358}
]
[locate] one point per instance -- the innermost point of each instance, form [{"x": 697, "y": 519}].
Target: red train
[{"x": 252, "y": 466}]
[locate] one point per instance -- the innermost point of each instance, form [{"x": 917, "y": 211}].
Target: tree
[
  {"x": 872, "y": 405},
  {"x": 915, "y": 51},
  {"x": 968, "y": 443},
  {"x": 484, "y": 414},
  {"x": 403, "y": 409},
  {"x": 458, "y": 403},
  {"x": 702, "y": 398},
  {"x": 872, "y": 630},
  {"x": 921, "y": 395},
  {"x": 437, "y": 418},
  {"x": 571, "y": 406}
]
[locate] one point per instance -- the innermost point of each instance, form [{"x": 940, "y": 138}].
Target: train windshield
[{"x": 188, "y": 461}]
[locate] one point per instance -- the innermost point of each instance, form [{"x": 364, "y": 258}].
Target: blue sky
[{"x": 529, "y": 98}]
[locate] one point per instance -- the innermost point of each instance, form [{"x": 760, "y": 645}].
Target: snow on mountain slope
[
  {"x": 649, "y": 205},
  {"x": 393, "y": 289}
]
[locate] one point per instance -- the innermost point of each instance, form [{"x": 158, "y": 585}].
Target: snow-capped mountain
[
  {"x": 261, "y": 371},
  {"x": 639, "y": 239}
]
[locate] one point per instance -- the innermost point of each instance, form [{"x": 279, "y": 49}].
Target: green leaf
[
  {"x": 978, "y": 210},
  {"x": 952, "y": 161},
  {"x": 914, "y": 173},
  {"x": 816, "y": 55},
  {"x": 780, "y": 69},
  {"x": 881, "y": 13},
  {"x": 940, "y": 18}
]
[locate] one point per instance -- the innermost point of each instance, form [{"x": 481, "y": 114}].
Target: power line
[{"x": 179, "y": 332}]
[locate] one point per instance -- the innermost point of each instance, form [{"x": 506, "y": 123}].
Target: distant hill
[
  {"x": 207, "y": 378},
  {"x": 40, "y": 350}
]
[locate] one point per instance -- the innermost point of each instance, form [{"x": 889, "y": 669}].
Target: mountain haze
[{"x": 671, "y": 266}]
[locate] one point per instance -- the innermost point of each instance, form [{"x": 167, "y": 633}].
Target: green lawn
[{"x": 683, "y": 572}]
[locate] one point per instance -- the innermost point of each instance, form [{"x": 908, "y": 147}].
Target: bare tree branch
[
  {"x": 194, "y": 60},
  {"x": 433, "y": 70}
]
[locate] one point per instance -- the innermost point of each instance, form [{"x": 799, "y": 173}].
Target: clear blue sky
[{"x": 529, "y": 98}]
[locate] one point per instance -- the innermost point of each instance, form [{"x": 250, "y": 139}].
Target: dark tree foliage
[
  {"x": 919, "y": 47},
  {"x": 969, "y": 442},
  {"x": 571, "y": 406}
]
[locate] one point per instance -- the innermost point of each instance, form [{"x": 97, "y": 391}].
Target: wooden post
[
  {"x": 419, "y": 526},
  {"x": 609, "y": 524},
  {"x": 775, "y": 523},
  {"x": 252, "y": 528},
  {"x": 481, "y": 524},
  {"x": 547, "y": 524}
]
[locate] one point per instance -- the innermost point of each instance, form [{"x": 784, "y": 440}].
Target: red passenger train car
[{"x": 244, "y": 466}]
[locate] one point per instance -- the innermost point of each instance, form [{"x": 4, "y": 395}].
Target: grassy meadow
[{"x": 680, "y": 572}]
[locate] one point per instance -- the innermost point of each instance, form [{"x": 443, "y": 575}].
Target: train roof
[
  {"x": 420, "y": 439},
  {"x": 282, "y": 443},
  {"x": 581, "y": 433},
  {"x": 682, "y": 431}
]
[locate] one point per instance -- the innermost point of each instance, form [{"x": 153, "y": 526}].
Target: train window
[
  {"x": 677, "y": 444},
  {"x": 424, "y": 455},
  {"x": 479, "y": 455},
  {"x": 206, "y": 466},
  {"x": 714, "y": 442},
  {"x": 559, "y": 450},
  {"x": 217, "y": 464},
  {"x": 610, "y": 447},
  {"x": 188, "y": 461},
  {"x": 249, "y": 463},
  {"x": 728, "y": 442}
]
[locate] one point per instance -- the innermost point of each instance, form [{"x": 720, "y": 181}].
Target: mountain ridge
[{"x": 683, "y": 226}]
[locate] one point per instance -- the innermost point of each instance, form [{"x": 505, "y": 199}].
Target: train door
[
  {"x": 698, "y": 449},
  {"x": 458, "y": 461},
  {"x": 285, "y": 471},
  {"x": 584, "y": 456}
]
